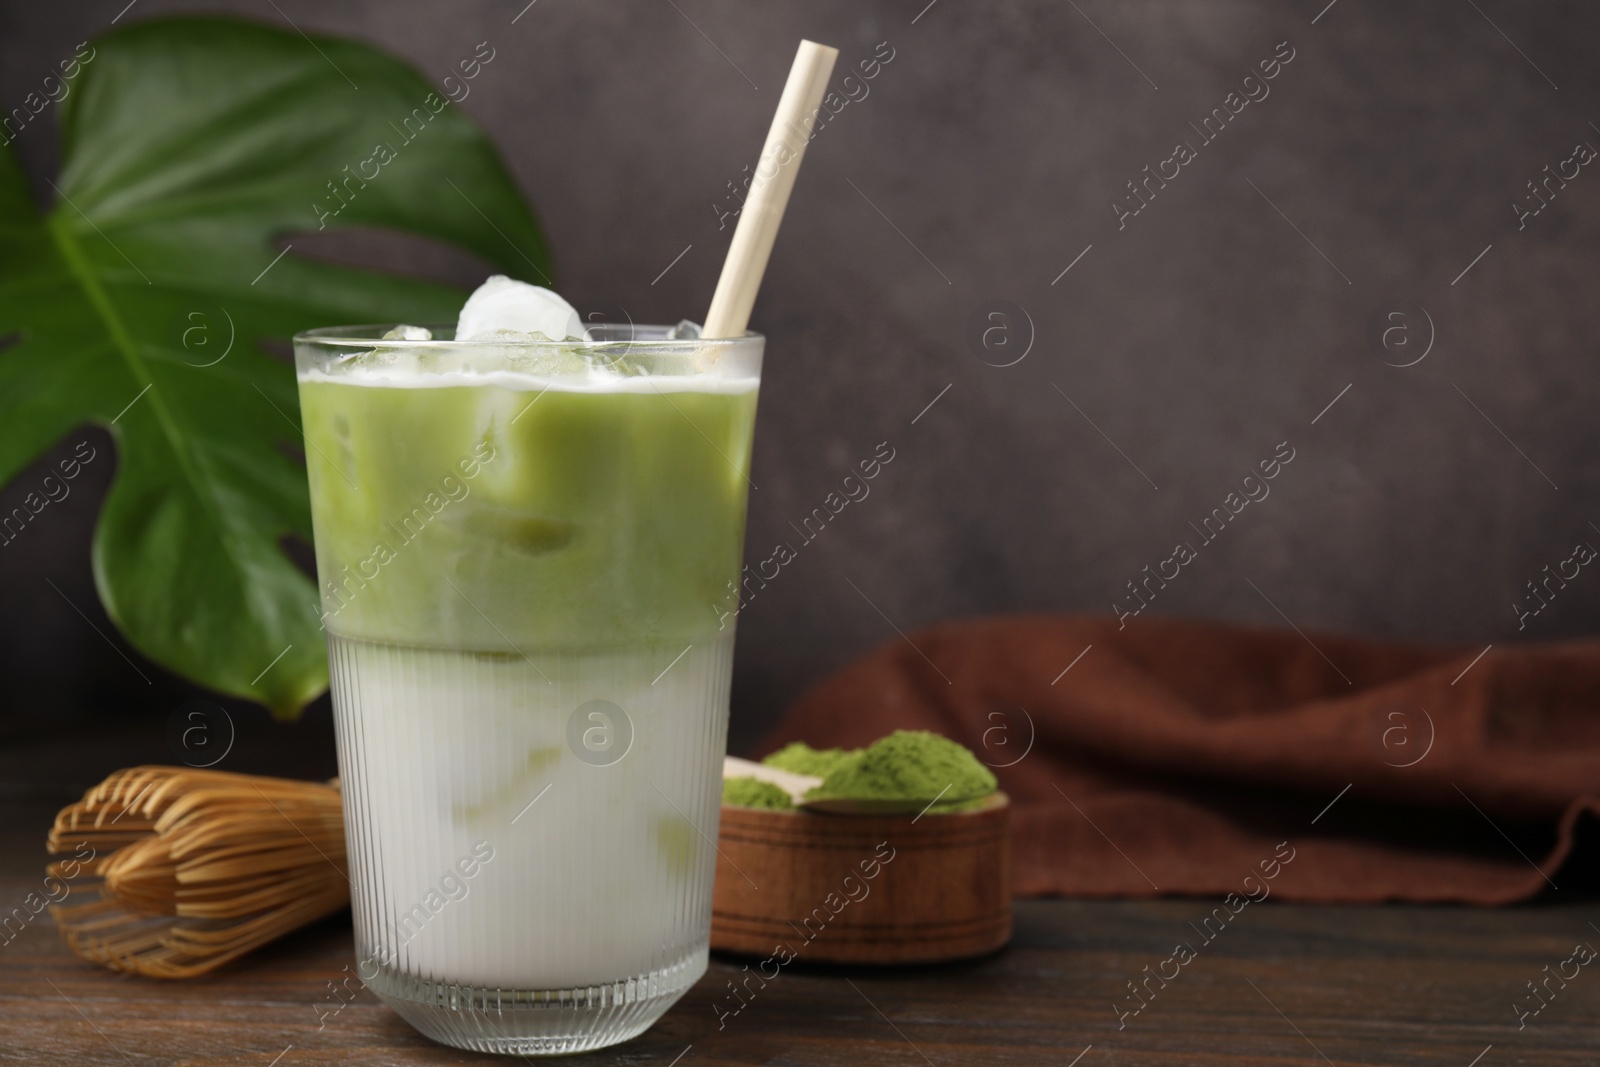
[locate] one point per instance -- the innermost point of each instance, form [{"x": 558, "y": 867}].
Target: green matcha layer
[{"x": 490, "y": 518}]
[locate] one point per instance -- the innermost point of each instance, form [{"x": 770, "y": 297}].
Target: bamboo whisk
[{"x": 192, "y": 868}]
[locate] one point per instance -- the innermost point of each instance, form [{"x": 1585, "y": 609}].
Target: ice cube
[
  {"x": 684, "y": 331},
  {"x": 501, "y": 306},
  {"x": 512, "y": 336},
  {"x": 409, "y": 333}
]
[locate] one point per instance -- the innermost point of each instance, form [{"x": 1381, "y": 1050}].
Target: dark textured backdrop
[{"x": 1177, "y": 352}]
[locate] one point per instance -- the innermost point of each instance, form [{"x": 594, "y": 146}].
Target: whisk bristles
[{"x": 189, "y": 869}]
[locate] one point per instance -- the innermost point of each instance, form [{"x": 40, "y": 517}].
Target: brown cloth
[{"x": 1173, "y": 757}]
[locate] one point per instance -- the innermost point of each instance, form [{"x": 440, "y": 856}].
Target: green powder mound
[
  {"x": 754, "y": 793},
  {"x": 800, "y": 758},
  {"x": 908, "y": 765}
]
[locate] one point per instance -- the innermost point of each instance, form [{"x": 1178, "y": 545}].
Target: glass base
[{"x": 533, "y": 1022}]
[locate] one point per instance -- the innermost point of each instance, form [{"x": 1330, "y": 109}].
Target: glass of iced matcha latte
[{"x": 528, "y": 534}]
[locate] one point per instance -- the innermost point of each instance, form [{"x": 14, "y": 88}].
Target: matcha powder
[
  {"x": 754, "y": 793},
  {"x": 908, "y": 765},
  {"x": 800, "y": 758}
]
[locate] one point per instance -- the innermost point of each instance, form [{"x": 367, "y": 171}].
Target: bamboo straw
[
  {"x": 193, "y": 868},
  {"x": 769, "y": 191}
]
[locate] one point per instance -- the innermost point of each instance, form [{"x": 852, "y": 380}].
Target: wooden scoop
[
  {"x": 796, "y": 785},
  {"x": 842, "y": 806}
]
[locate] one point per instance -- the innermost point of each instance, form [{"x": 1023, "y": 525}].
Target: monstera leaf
[{"x": 193, "y": 151}]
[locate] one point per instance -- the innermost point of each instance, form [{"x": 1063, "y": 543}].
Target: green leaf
[{"x": 192, "y": 149}]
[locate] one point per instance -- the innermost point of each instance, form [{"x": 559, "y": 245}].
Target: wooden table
[{"x": 1281, "y": 985}]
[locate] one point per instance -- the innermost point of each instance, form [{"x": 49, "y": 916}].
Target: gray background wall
[{"x": 1220, "y": 321}]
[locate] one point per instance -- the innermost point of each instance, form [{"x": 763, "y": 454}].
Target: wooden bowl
[{"x": 863, "y": 889}]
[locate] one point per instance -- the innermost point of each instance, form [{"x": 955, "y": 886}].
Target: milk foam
[{"x": 596, "y": 381}]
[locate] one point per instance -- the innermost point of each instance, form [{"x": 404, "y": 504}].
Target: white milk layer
[{"x": 536, "y": 824}]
